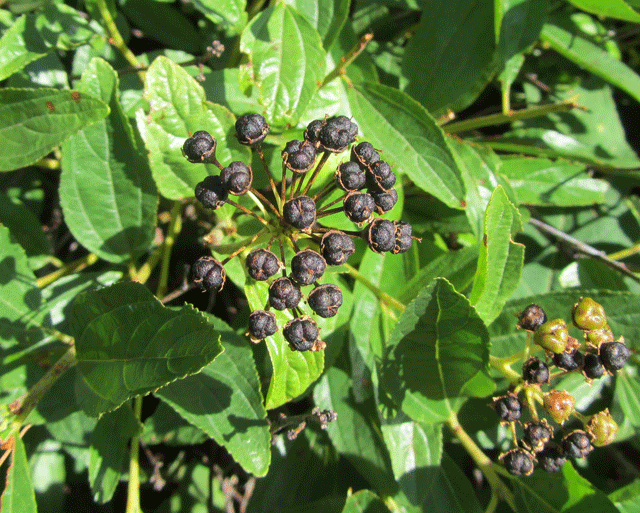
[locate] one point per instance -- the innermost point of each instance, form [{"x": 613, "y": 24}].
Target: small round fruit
[
  {"x": 380, "y": 176},
  {"x": 237, "y": 178},
  {"x": 532, "y": 317},
  {"x": 535, "y": 371},
  {"x": 404, "y": 237},
  {"x": 299, "y": 156},
  {"x": 592, "y": 367},
  {"x": 300, "y": 212},
  {"x": 550, "y": 459},
  {"x": 208, "y": 274},
  {"x": 588, "y": 315},
  {"x": 251, "y": 129},
  {"x": 200, "y": 146},
  {"x": 508, "y": 407},
  {"x": 385, "y": 200},
  {"x": 350, "y": 176},
  {"x": 602, "y": 428},
  {"x": 614, "y": 355},
  {"x": 568, "y": 360},
  {"x": 211, "y": 192},
  {"x": 359, "y": 207},
  {"x": 337, "y": 133},
  {"x": 552, "y": 335},
  {"x": 365, "y": 154},
  {"x": 518, "y": 462},
  {"x": 262, "y": 264},
  {"x": 381, "y": 235},
  {"x": 307, "y": 266},
  {"x": 559, "y": 405},
  {"x": 301, "y": 333},
  {"x": 537, "y": 434},
  {"x": 576, "y": 444},
  {"x": 262, "y": 324},
  {"x": 336, "y": 247},
  {"x": 325, "y": 300},
  {"x": 284, "y": 293}
]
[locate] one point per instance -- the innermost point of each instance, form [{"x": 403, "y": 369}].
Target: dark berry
[
  {"x": 325, "y": 300},
  {"x": 301, "y": 333},
  {"x": 532, "y": 317},
  {"x": 199, "y": 147},
  {"x": 307, "y": 267},
  {"x": 508, "y": 407},
  {"x": 337, "y": 133},
  {"x": 381, "y": 235},
  {"x": 559, "y": 404},
  {"x": 588, "y": 315},
  {"x": 237, "y": 178},
  {"x": 364, "y": 153},
  {"x": 300, "y": 212},
  {"x": 593, "y": 368},
  {"x": 568, "y": 360},
  {"x": 251, "y": 129},
  {"x": 403, "y": 238},
  {"x": 262, "y": 324},
  {"x": 550, "y": 459},
  {"x": 208, "y": 274},
  {"x": 535, "y": 371},
  {"x": 299, "y": 156},
  {"x": 211, "y": 192},
  {"x": 350, "y": 176},
  {"x": 614, "y": 355},
  {"x": 518, "y": 462},
  {"x": 284, "y": 293},
  {"x": 380, "y": 176},
  {"x": 385, "y": 200},
  {"x": 359, "y": 207},
  {"x": 262, "y": 264},
  {"x": 537, "y": 434},
  {"x": 312, "y": 132},
  {"x": 576, "y": 444},
  {"x": 336, "y": 247}
]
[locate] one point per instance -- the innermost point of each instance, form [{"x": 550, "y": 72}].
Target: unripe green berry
[
  {"x": 559, "y": 405},
  {"x": 602, "y": 428},
  {"x": 552, "y": 336},
  {"x": 588, "y": 315}
]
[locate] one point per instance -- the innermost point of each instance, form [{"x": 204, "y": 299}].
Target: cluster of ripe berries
[
  {"x": 294, "y": 220},
  {"x": 597, "y": 355}
]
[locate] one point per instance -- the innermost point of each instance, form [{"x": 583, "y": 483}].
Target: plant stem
[
  {"x": 133, "y": 489},
  {"x": 75, "y": 266},
  {"x": 498, "y": 486},
  {"x": 23, "y": 406},
  {"x": 316, "y": 171},
  {"x": 500, "y": 118},
  {"x": 340, "y": 69},
  {"x": 247, "y": 211},
  {"x": 382, "y": 296},
  {"x": 503, "y": 366},
  {"x": 175, "y": 224},
  {"x": 147, "y": 268}
]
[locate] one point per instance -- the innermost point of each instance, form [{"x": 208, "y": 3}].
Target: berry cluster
[
  {"x": 293, "y": 218},
  {"x": 597, "y": 355}
]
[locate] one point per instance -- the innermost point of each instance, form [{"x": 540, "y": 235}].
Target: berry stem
[
  {"x": 230, "y": 248},
  {"x": 503, "y": 366},
  {"x": 329, "y": 212},
  {"x": 328, "y": 189},
  {"x": 283, "y": 187},
  {"x": 325, "y": 207},
  {"x": 531, "y": 404},
  {"x": 348, "y": 59},
  {"x": 133, "y": 488},
  {"x": 382, "y": 296},
  {"x": 73, "y": 267},
  {"x": 247, "y": 211},
  {"x": 241, "y": 248},
  {"x": 265, "y": 201},
  {"x": 272, "y": 182},
  {"x": 292, "y": 185},
  {"x": 175, "y": 225},
  {"x": 316, "y": 171}
]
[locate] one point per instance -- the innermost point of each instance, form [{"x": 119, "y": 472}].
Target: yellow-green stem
[
  {"x": 147, "y": 268},
  {"x": 175, "y": 224},
  {"x": 133, "y": 489},
  {"x": 382, "y": 296},
  {"x": 48, "y": 163},
  {"x": 503, "y": 366},
  {"x": 73, "y": 267},
  {"x": 347, "y": 59}
]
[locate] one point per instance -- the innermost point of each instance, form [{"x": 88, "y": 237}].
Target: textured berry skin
[
  {"x": 284, "y": 293},
  {"x": 385, "y": 200},
  {"x": 299, "y": 156},
  {"x": 312, "y": 132},
  {"x": 336, "y": 247},
  {"x": 508, "y": 408},
  {"x": 237, "y": 178},
  {"x": 380, "y": 176},
  {"x": 550, "y": 459},
  {"x": 262, "y": 264},
  {"x": 359, "y": 207},
  {"x": 595, "y": 338},
  {"x": 537, "y": 434},
  {"x": 569, "y": 360},
  {"x": 211, "y": 192},
  {"x": 602, "y": 428},
  {"x": 403, "y": 239},
  {"x": 364, "y": 153},
  {"x": 251, "y": 129},
  {"x": 588, "y": 315},
  {"x": 592, "y": 367},
  {"x": 300, "y": 212},
  {"x": 535, "y": 371},
  {"x": 532, "y": 317},
  {"x": 307, "y": 267},
  {"x": 208, "y": 274},
  {"x": 518, "y": 462},
  {"x": 350, "y": 176},
  {"x": 262, "y": 324},
  {"x": 552, "y": 335},
  {"x": 559, "y": 404},
  {"x": 199, "y": 147},
  {"x": 325, "y": 300},
  {"x": 576, "y": 444},
  {"x": 381, "y": 235},
  {"x": 337, "y": 133},
  {"x": 301, "y": 333},
  {"x": 613, "y": 355}
]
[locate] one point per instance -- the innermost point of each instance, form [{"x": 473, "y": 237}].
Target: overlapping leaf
[{"x": 18, "y": 495}]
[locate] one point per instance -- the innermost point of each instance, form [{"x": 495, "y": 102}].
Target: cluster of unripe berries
[
  {"x": 295, "y": 219},
  {"x": 596, "y": 355}
]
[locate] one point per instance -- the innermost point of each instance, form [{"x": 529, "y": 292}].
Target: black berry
[
  {"x": 200, "y": 146},
  {"x": 208, "y": 274},
  {"x": 307, "y": 267},
  {"x": 531, "y": 317},
  {"x": 508, "y": 407},
  {"x": 350, "y": 176},
  {"x": 359, "y": 207},
  {"x": 337, "y": 133},
  {"x": 404, "y": 237},
  {"x": 336, "y": 247},
  {"x": 614, "y": 355},
  {"x": 364, "y": 153},
  {"x": 262, "y": 264},
  {"x": 576, "y": 444},
  {"x": 237, "y": 178},
  {"x": 211, "y": 192},
  {"x": 535, "y": 371},
  {"x": 325, "y": 300},
  {"x": 262, "y": 324},
  {"x": 312, "y": 132},
  {"x": 518, "y": 462},
  {"x": 385, "y": 200},
  {"x": 550, "y": 459},
  {"x": 299, "y": 156},
  {"x": 251, "y": 129},
  {"x": 537, "y": 434},
  {"x": 284, "y": 293},
  {"x": 593, "y": 368},
  {"x": 380, "y": 176},
  {"x": 301, "y": 333},
  {"x": 568, "y": 360},
  {"x": 381, "y": 235},
  {"x": 300, "y": 212}
]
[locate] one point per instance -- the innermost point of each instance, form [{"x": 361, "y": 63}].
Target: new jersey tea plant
[{"x": 338, "y": 256}]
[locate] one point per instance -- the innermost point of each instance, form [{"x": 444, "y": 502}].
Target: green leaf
[
  {"x": 128, "y": 344},
  {"x": 109, "y": 450},
  {"x": 293, "y": 371},
  {"x": 166, "y": 426},
  {"x": 20, "y": 45},
  {"x": 178, "y": 109},
  {"x": 286, "y": 62},
  {"x": 520, "y": 24},
  {"x": 224, "y": 401},
  {"x": 500, "y": 261},
  {"x": 608, "y": 8},
  {"x": 411, "y": 139},
  {"x": 590, "y": 57},
  {"x": 365, "y": 501},
  {"x": 557, "y": 183},
  {"x": 327, "y": 16},
  {"x": 18, "y": 495},
  {"x": 449, "y": 53},
  {"x": 439, "y": 333},
  {"x": 565, "y": 491},
  {"x": 353, "y": 435},
  {"x": 24, "y": 226},
  {"x": 452, "y": 490},
  {"x": 109, "y": 205},
  {"x": 34, "y": 121},
  {"x": 627, "y": 498},
  {"x": 627, "y": 393},
  {"x": 225, "y": 12}
]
